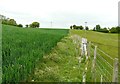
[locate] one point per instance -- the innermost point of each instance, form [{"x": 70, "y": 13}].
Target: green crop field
[
  {"x": 39, "y": 55},
  {"x": 22, "y": 48}
]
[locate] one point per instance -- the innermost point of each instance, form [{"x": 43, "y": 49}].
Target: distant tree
[
  {"x": 74, "y": 26},
  {"x": 118, "y": 29},
  {"x": 94, "y": 29},
  {"x": 12, "y": 22},
  {"x": 98, "y": 27},
  {"x": 9, "y": 21},
  {"x": 113, "y": 30},
  {"x": 104, "y": 30},
  {"x": 35, "y": 25},
  {"x": 30, "y": 25},
  {"x": 26, "y": 25},
  {"x": 81, "y": 27},
  {"x": 70, "y": 27},
  {"x": 20, "y": 25},
  {"x": 87, "y": 28},
  {"x": 5, "y": 21},
  {"x": 77, "y": 27}
]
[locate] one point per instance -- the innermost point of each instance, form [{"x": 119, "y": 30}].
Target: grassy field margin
[{"x": 60, "y": 65}]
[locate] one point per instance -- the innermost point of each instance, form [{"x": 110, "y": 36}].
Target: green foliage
[
  {"x": 87, "y": 28},
  {"x": 9, "y": 22},
  {"x": 98, "y": 27},
  {"x": 70, "y": 27},
  {"x": 115, "y": 29},
  {"x": 118, "y": 29},
  {"x": 20, "y": 25},
  {"x": 22, "y": 48},
  {"x": 12, "y": 22},
  {"x": 74, "y": 26},
  {"x": 78, "y": 27},
  {"x": 5, "y": 21},
  {"x": 35, "y": 25},
  {"x": 26, "y": 25},
  {"x": 105, "y": 30}
]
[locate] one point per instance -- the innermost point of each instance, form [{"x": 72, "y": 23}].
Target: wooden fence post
[
  {"x": 81, "y": 47},
  {"x": 84, "y": 74},
  {"x": 89, "y": 45},
  {"x": 115, "y": 71},
  {"x": 101, "y": 79},
  {"x": 93, "y": 67},
  {"x": 84, "y": 78}
]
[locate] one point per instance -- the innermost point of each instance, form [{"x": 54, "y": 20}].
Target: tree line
[
  {"x": 107, "y": 30},
  {"x": 9, "y": 21},
  {"x": 98, "y": 28},
  {"x": 79, "y": 27}
]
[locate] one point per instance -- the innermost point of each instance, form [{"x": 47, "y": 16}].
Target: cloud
[{"x": 62, "y": 13}]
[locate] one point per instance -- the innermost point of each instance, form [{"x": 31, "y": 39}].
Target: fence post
[
  {"x": 101, "y": 79},
  {"x": 84, "y": 78},
  {"x": 94, "y": 63},
  {"x": 89, "y": 45},
  {"x": 115, "y": 71},
  {"x": 81, "y": 46},
  {"x": 84, "y": 74}
]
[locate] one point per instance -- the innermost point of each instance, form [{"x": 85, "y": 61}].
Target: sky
[{"x": 62, "y": 13}]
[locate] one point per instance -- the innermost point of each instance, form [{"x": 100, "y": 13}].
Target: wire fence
[
  {"x": 99, "y": 66},
  {"x": 104, "y": 68}
]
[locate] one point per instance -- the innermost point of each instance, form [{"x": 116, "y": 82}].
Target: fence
[{"x": 100, "y": 67}]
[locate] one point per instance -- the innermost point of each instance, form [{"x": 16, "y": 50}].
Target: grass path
[{"x": 61, "y": 64}]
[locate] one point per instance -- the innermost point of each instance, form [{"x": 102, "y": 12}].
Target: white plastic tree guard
[{"x": 84, "y": 47}]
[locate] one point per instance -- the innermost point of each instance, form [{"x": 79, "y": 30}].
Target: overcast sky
[{"x": 62, "y": 13}]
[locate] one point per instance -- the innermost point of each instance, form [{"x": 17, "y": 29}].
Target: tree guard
[{"x": 84, "y": 47}]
